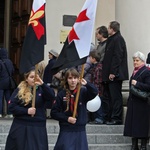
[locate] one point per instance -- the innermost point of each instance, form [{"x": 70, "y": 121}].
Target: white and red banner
[
  {"x": 82, "y": 30},
  {"x": 77, "y": 45}
]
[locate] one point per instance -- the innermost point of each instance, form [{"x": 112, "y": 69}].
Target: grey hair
[{"x": 139, "y": 55}]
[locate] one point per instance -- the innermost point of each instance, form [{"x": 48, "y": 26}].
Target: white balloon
[{"x": 94, "y": 104}]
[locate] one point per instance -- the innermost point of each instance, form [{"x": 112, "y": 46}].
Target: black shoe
[
  {"x": 134, "y": 144},
  {"x": 144, "y": 144},
  {"x": 114, "y": 122},
  {"x": 97, "y": 122},
  {"x": 134, "y": 148}
]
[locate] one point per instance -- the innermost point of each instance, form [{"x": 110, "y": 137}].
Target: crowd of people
[{"x": 105, "y": 70}]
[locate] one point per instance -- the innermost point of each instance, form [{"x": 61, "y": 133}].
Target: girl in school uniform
[
  {"x": 28, "y": 130},
  {"x": 72, "y": 134}
]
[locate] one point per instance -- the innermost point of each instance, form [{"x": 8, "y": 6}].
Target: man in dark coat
[{"x": 115, "y": 71}]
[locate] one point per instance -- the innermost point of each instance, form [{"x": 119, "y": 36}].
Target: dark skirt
[
  {"x": 71, "y": 141},
  {"x": 24, "y": 137},
  {"x": 137, "y": 122}
]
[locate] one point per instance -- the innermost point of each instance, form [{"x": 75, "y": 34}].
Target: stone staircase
[{"x": 100, "y": 137}]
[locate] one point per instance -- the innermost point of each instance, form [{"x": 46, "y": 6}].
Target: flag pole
[
  {"x": 78, "y": 93},
  {"x": 34, "y": 87}
]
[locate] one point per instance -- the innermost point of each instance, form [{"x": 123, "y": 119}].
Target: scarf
[
  {"x": 136, "y": 69},
  {"x": 71, "y": 100}
]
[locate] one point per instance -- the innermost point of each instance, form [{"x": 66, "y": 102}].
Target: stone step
[
  {"x": 92, "y": 138},
  {"x": 53, "y": 127},
  {"x": 105, "y": 129},
  {"x": 93, "y": 147}
]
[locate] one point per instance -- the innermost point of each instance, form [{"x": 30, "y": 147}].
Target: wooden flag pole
[
  {"x": 34, "y": 87},
  {"x": 78, "y": 93}
]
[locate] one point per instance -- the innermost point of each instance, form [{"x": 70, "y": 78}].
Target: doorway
[{"x": 2, "y": 6}]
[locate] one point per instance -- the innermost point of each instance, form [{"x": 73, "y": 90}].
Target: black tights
[{"x": 144, "y": 142}]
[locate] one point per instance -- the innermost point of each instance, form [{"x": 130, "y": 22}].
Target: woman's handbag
[{"x": 141, "y": 94}]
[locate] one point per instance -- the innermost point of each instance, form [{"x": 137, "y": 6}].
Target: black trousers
[{"x": 113, "y": 103}]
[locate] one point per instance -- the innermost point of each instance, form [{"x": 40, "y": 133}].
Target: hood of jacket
[{"x": 3, "y": 53}]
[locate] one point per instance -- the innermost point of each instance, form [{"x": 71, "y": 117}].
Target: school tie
[{"x": 72, "y": 100}]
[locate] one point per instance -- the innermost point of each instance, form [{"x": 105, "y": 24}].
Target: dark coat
[
  {"x": 72, "y": 136},
  {"x": 27, "y": 132},
  {"x": 47, "y": 77},
  {"x": 58, "y": 110},
  {"x": 4, "y": 76},
  {"x": 137, "y": 123},
  {"x": 148, "y": 59},
  {"x": 115, "y": 58}
]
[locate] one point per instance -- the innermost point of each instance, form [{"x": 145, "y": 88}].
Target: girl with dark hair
[{"x": 72, "y": 134}]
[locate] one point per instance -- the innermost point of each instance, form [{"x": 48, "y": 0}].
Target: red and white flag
[
  {"x": 33, "y": 45},
  {"x": 77, "y": 45}
]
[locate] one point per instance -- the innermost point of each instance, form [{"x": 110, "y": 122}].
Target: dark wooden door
[
  {"x": 20, "y": 14},
  {"x": 2, "y": 4}
]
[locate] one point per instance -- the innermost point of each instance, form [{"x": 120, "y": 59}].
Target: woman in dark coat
[
  {"x": 47, "y": 77},
  {"x": 72, "y": 134},
  {"x": 5, "y": 90},
  {"x": 28, "y": 130},
  {"x": 137, "y": 123}
]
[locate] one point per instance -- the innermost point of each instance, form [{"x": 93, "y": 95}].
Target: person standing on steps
[
  {"x": 96, "y": 79},
  {"x": 101, "y": 35},
  {"x": 28, "y": 129},
  {"x": 137, "y": 123},
  {"x": 47, "y": 77},
  {"x": 72, "y": 135},
  {"x": 114, "y": 72},
  {"x": 5, "y": 91}
]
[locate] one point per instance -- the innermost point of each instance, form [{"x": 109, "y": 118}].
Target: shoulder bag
[{"x": 144, "y": 95}]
